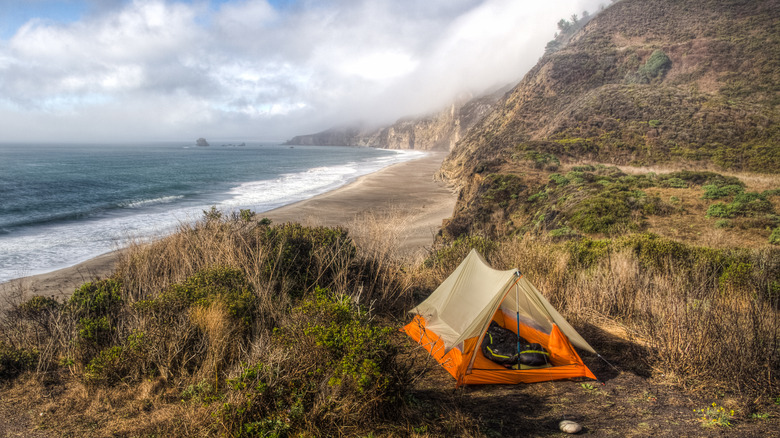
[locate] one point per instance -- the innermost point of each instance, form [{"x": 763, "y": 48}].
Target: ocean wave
[{"x": 148, "y": 202}]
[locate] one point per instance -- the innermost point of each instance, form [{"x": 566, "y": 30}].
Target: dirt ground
[{"x": 626, "y": 403}]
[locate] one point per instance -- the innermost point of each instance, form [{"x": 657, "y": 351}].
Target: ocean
[{"x": 61, "y": 204}]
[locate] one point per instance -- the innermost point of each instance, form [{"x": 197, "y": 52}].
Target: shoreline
[{"x": 402, "y": 198}]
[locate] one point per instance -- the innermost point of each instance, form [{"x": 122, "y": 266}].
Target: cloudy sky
[{"x": 148, "y": 70}]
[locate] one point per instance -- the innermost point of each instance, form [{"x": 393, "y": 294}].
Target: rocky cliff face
[{"x": 439, "y": 131}]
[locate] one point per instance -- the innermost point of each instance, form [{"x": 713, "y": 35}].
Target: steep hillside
[
  {"x": 439, "y": 131},
  {"x": 634, "y": 175},
  {"x": 644, "y": 82}
]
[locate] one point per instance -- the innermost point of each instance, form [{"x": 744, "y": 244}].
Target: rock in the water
[
  {"x": 201, "y": 142},
  {"x": 569, "y": 426}
]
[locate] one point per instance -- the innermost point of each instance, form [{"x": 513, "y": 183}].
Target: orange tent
[{"x": 452, "y": 322}]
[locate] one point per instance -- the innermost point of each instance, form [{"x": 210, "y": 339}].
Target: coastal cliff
[
  {"x": 646, "y": 82},
  {"x": 433, "y": 132}
]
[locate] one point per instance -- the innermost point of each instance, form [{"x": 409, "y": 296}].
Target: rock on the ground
[{"x": 569, "y": 426}]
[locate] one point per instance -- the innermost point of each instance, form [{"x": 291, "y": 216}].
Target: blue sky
[{"x": 98, "y": 70}]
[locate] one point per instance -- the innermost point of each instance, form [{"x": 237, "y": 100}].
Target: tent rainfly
[{"x": 452, "y": 322}]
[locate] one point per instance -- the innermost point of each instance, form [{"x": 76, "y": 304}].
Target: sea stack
[{"x": 201, "y": 142}]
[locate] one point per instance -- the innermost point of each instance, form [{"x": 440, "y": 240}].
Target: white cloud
[{"x": 154, "y": 69}]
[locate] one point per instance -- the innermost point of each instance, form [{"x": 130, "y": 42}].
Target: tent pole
[{"x": 517, "y": 311}]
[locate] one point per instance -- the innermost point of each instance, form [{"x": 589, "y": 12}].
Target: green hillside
[{"x": 648, "y": 82}]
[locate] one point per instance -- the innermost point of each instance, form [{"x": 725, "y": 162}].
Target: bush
[
  {"x": 38, "y": 305},
  {"x": 714, "y": 191},
  {"x": 750, "y": 203},
  {"x": 603, "y": 213},
  {"x": 559, "y": 179},
  {"x": 97, "y": 298},
  {"x": 723, "y": 223},
  {"x": 701, "y": 178},
  {"x": 335, "y": 358},
  {"x": 586, "y": 252},
  {"x": 745, "y": 204},
  {"x": 246, "y": 214},
  {"x": 14, "y": 361},
  {"x": 676, "y": 183},
  {"x": 719, "y": 209},
  {"x": 227, "y": 285},
  {"x": 126, "y": 363},
  {"x": 562, "y": 233},
  {"x": 655, "y": 68},
  {"x": 357, "y": 350},
  {"x": 304, "y": 256},
  {"x": 499, "y": 188},
  {"x": 774, "y": 237},
  {"x": 450, "y": 256},
  {"x": 95, "y": 307},
  {"x": 542, "y": 160}
]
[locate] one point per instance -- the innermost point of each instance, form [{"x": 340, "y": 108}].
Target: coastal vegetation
[
  {"x": 239, "y": 327},
  {"x": 631, "y": 176}
]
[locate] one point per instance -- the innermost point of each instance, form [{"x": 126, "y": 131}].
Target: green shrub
[
  {"x": 38, "y": 305},
  {"x": 246, "y": 215},
  {"x": 723, "y": 223},
  {"x": 539, "y": 196},
  {"x": 579, "y": 177},
  {"x": 95, "y": 306},
  {"x": 559, "y": 179},
  {"x": 212, "y": 215},
  {"x": 701, "y": 178},
  {"x": 304, "y": 256},
  {"x": 336, "y": 358},
  {"x": 499, "y": 189},
  {"x": 750, "y": 203},
  {"x": 226, "y": 285},
  {"x": 586, "y": 252},
  {"x": 714, "y": 191},
  {"x": 601, "y": 214},
  {"x": 562, "y": 232},
  {"x": 719, "y": 209},
  {"x": 119, "y": 362},
  {"x": 656, "y": 67},
  {"x": 542, "y": 160},
  {"x": 736, "y": 275},
  {"x": 745, "y": 204},
  {"x": 42, "y": 311},
  {"x": 676, "y": 183},
  {"x": 585, "y": 168},
  {"x": 357, "y": 350},
  {"x": 14, "y": 361},
  {"x": 98, "y": 298},
  {"x": 774, "y": 237}
]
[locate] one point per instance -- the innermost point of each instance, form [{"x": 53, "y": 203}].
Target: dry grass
[
  {"x": 700, "y": 326},
  {"x": 216, "y": 333}
]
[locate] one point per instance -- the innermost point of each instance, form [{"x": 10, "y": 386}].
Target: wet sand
[{"x": 402, "y": 199}]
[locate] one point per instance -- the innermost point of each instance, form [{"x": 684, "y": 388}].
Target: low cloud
[{"x": 163, "y": 70}]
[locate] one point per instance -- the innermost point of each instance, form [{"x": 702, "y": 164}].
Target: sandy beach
[{"x": 402, "y": 200}]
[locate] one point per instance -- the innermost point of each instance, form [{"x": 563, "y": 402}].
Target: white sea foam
[
  {"x": 147, "y": 202},
  {"x": 45, "y": 249}
]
